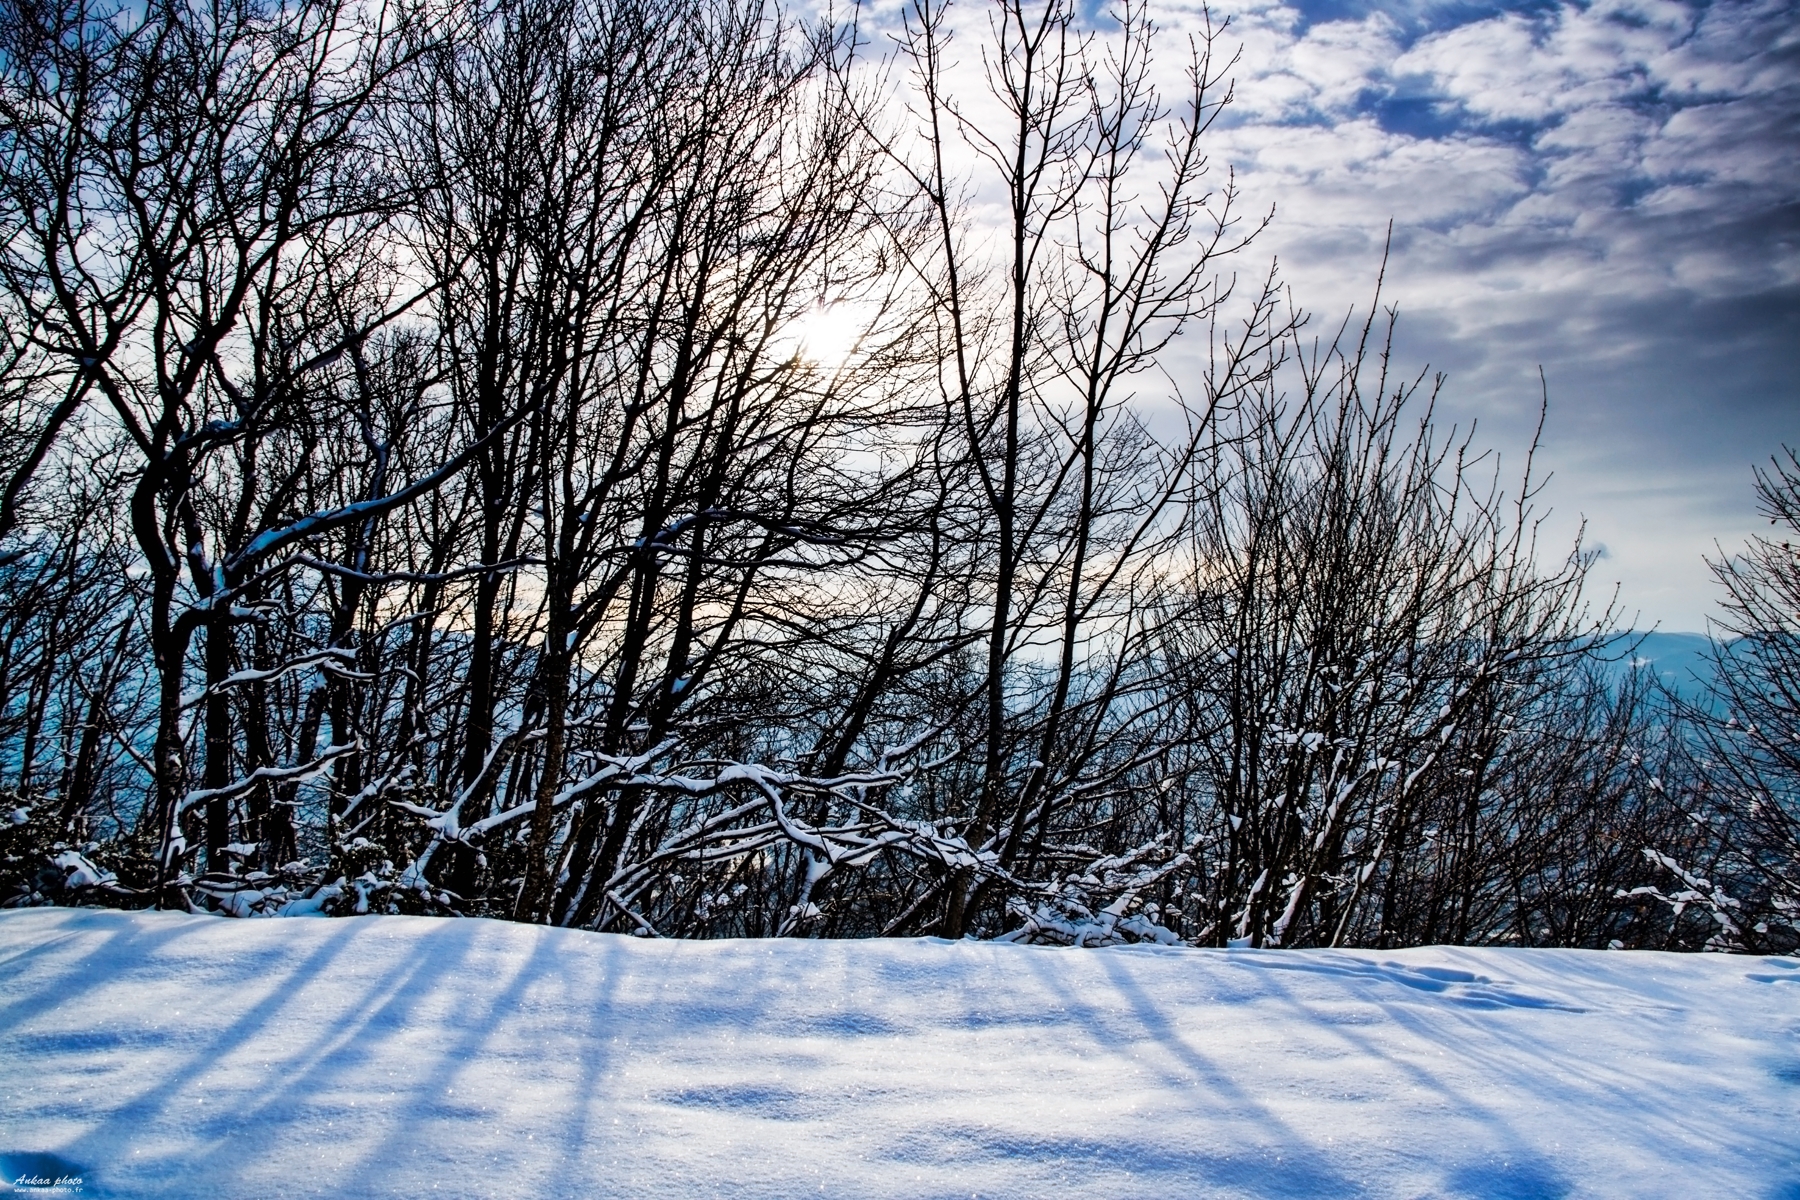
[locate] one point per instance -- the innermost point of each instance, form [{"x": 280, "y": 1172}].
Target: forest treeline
[{"x": 669, "y": 466}]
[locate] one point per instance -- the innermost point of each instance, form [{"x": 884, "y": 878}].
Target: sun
[{"x": 828, "y": 335}]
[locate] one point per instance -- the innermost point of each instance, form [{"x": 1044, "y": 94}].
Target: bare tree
[
  {"x": 1745, "y": 775},
  {"x": 584, "y": 461},
  {"x": 1104, "y": 260}
]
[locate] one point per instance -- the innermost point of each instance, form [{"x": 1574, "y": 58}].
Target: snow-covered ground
[{"x": 163, "y": 1055}]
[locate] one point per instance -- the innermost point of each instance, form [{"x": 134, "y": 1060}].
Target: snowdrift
[{"x": 157, "y": 1055}]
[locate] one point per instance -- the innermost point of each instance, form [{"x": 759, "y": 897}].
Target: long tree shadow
[
  {"x": 105, "y": 1140},
  {"x": 114, "y": 940},
  {"x": 1240, "y": 1169},
  {"x": 244, "y": 1134},
  {"x": 131, "y": 952},
  {"x": 1526, "y": 1172},
  {"x": 408, "y": 1123},
  {"x": 374, "y": 1052},
  {"x": 1500, "y": 1077},
  {"x": 1619, "y": 1093}
]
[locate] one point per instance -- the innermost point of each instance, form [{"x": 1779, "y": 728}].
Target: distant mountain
[{"x": 1681, "y": 661}]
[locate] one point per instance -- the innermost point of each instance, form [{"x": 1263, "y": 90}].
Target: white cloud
[{"x": 1607, "y": 189}]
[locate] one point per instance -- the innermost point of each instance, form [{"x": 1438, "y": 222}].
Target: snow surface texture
[{"x": 165, "y": 1055}]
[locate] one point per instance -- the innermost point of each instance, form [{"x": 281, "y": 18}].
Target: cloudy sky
[{"x": 1610, "y": 190}]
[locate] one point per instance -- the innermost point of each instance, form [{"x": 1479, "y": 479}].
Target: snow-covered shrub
[
  {"x": 1095, "y": 906},
  {"x": 38, "y": 867}
]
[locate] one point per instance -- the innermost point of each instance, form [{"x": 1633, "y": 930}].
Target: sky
[{"x": 1610, "y": 191}]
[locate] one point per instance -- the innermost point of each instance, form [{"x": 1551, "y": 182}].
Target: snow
[
  {"x": 166, "y": 1055},
  {"x": 79, "y": 872}
]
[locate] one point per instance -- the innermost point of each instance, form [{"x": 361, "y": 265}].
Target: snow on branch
[{"x": 264, "y": 775}]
